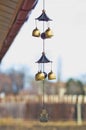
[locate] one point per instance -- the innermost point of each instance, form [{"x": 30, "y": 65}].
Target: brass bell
[
  {"x": 51, "y": 76},
  {"x": 36, "y": 32},
  {"x": 40, "y": 76},
  {"x": 48, "y": 33}
]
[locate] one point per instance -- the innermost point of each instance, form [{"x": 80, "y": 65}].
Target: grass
[
  {"x": 19, "y": 124},
  {"x": 28, "y": 123}
]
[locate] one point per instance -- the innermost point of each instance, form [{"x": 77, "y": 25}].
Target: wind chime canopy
[
  {"x": 43, "y": 17},
  {"x": 43, "y": 59}
]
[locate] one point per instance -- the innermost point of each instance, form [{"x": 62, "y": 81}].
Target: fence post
[{"x": 79, "y": 111}]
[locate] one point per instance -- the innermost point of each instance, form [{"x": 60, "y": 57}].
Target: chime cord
[
  {"x": 43, "y": 39},
  {"x": 43, "y": 88},
  {"x": 43, "y": 27},
  {"x": 43, "y": 103},
  {"x": 43, "y": 96},
  {"x": 43, "y": 4}
]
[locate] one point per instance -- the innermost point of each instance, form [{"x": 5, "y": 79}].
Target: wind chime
[{"x": 41, "y": 75}]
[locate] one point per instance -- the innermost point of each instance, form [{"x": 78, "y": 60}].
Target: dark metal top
[
  {"x": 43, "y": 59},
  {"x": 43, "y": 17}
]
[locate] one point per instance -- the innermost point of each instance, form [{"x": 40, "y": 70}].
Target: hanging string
[
  {"x": 48, "y": 24},
  {"x": 43, "y": 67},
  {"x": 43, "y": 45},
  {"x": 51, "y": 65},
  {"x": 43, "y": 51},
  {"x": 43, "y": 4},
  {"x": 36, "y": 23},
  {"x": 39, "y": 68},
  {"x": 43, "y": 96},
  {"x": 43, "y": 26},
  {"x": 43, "y": 39}
]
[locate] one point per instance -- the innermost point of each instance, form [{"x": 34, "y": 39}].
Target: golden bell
[
  {"x": 51, "y": 76},
  {"x": 36, "y": 32},
  {"x": 40, "y": 76},
  {"x": 48, "y": 33}
]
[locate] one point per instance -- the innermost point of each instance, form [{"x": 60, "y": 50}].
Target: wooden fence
[{"x": 29, "y": 107}]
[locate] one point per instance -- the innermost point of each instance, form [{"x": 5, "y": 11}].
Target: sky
[{"x": 67, "y": 46}]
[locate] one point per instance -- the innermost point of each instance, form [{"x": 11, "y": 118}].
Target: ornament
[
  {"x": 36, "y": 32},
  {"x": 41, "y": 75},
  {"x": 51, "y": 76},
  {"x": 44, "y": 115},
  {"x": 48, "y": 33}
]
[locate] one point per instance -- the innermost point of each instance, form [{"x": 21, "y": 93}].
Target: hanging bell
[
  {"x": 36, "y": 32},
  {"x": 40, "y": 76},
  {"x": 51, "y": 76},
  {"x": 48, "y": 33}
]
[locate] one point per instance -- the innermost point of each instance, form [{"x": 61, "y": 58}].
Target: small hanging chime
[{"x": 41, "y": 75}]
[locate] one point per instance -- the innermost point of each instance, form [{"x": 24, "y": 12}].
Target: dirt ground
[{"x": 18, "y": 124}]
